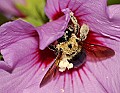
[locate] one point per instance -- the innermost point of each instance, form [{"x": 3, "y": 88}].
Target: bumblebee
[{"x": 71, "y": 49}]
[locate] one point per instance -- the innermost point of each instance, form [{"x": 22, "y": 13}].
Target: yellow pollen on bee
[
  {"x": 71, "y": 47},
  {"x": 84, "y": 32},
  {"x": 64, "y": 45},
  {"x": 68, "y": 53},
  {"x": 70, "y": 66},
  {"x": 64, "y": 64}
]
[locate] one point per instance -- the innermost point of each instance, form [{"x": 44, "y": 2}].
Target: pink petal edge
[
  {"x": 53, "y": 30},
  {"x": 14, "y": 31}
]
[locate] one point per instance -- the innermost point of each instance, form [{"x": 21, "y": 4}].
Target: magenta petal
[
  {"x": 107, "y": 71},
  {"x": 17, "y": 53},
  {"x": 97, "y": 18},
  {"x": 8, "y": 7},
  {"x": 114, "y": 14},
  {"x": 18, "y": 80},
  {"x": 5, "y": 66},
  {"x": 79, "y": 6},
  {"x": 82, "y": 81},
  {"x": 27, "y": 60},
  {"x": 21, "y": 55},
  {"x": 114, "y": 11},
  {"x": 53, "y": 30},
  {"x": 52, "y": 7},
  {"x": 13, "y": 31}
]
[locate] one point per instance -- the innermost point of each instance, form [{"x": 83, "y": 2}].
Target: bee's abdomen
[{"x": 78, "y": 59}]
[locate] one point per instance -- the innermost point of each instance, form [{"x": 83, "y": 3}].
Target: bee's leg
[
  {"x": 73, "y": 18},
  {"x": 71, "y": 28},
  {"x": 84, "y": 30},
  {"x": 76, "y": 29},
  {"x": 52, "y": 47},
  {"x": 75, "y": 22}
]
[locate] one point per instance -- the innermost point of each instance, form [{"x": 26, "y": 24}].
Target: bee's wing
[
  {"x": 98, "y": 52},
  {"x": 51, "y": 73}
]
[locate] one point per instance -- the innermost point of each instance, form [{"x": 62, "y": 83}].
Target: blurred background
[
  {"x": 110, "y": 2},
  {"x": 32, "y": 12}
]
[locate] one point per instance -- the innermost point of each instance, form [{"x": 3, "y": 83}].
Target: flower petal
[
  {"x": 80, "y": 81},
  {"x": 27, "y": 60},
  {"x": 13, "y": 31},
  {"x": 53, "y": 30},
  {"x": 8, "y": 7},
  {"x": 114, "y": 11},
  {"x": 97, "y": 18},
  {"x": 20, "y": 56},
  {"x": 53, "y": 7},
  {"x": 107, "y": 71},
  {"x": 98, "y": 21},
  {"x": 18, "y": 80},
  {"x": 19, "y": 51},
  {"x": 5, "y": 66}
]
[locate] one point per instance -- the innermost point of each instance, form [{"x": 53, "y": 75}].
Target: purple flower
[
  {"x": 8, "y": 7},
  {"x": 27, "y": 58}
]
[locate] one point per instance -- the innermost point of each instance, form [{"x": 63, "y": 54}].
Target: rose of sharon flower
[
  {"x": 8, "y": 7},
  {"x": 27, "y": 58}
]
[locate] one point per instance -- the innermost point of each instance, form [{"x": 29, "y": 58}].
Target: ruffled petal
[
  {"x": 5, "y": 66},
  {"x": 114, "y": 12},
  {"x": 20, "y": 51},
  {"x": 21, "y": 55},
  {"x": 53, "y": 30},
  {"x": 13, "y": 31},
  {"x": 107, "y": 27},
  {"x": 50, "y": 32},
  {"x": 54, "y": 7},
  {"x": 28, "y": 64}
]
